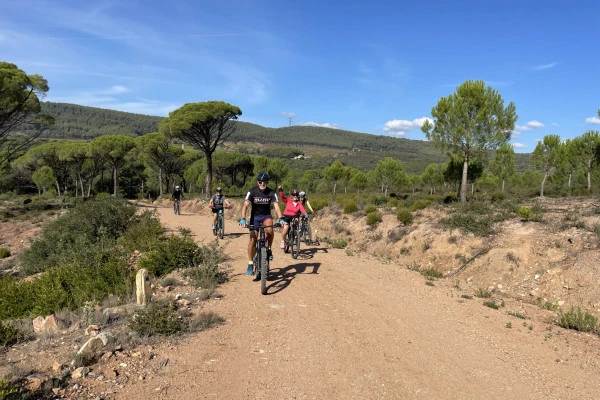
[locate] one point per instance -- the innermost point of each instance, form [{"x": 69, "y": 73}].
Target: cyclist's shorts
[
  {"x": 216, "y": 210},
  {"x": 260, "y": 219},
  {"x": 288, "y": 219}
]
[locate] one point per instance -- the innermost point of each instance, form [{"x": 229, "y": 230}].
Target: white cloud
[
  {"x": 544, "y": 66},
  {"x": 116, "y": 89},
  {"x": 399, "y": 127},
  {"x": 325, "y": 125},
  {"x": 519, "y": 145},
  {"x": 528, "y": 126},
  {"x": 288, "y": 114},
  {"x": 593, "y": 120}
]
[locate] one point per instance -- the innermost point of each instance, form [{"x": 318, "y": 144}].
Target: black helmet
[
  {"x": 294, "y": 192},
  {"x": 263, "y": 176},
  {"x": 219, "y": 189}
]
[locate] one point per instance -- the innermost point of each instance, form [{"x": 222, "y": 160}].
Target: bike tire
[
  {"x": 264, "y": 270},
  {"x": 295, "y": 244},
  {"x": 307, "y": 233},
  {"x": 286, "y": 246},
  {"x": 221, "y": 227}
]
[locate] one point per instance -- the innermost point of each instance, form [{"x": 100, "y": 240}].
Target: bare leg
[{"x": 252, "y": 245}]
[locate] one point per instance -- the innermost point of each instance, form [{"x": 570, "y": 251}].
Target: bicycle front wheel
[
  {"x": 221, "y": 227},
  {"x": 295, "y": 244},
  {"x": 307, "y": 233},
  {"x": 264, "y": 270}
]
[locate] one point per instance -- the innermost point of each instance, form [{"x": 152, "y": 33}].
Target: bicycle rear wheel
[
  {"x": 295, "y": 243},
  {"x": 264, "y": 270},
  {"x": 288, "y": 240}
]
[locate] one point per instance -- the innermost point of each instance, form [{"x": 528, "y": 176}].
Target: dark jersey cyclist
[
  {"x": 177, "y": 194},
  {"x": 260, "y": 198},
  {"x": 216, "y": 203}
]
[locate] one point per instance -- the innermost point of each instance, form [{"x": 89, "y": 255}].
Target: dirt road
[{"x": 335, "y": 326}]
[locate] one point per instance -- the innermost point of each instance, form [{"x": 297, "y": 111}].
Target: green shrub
[
  {"x": 380, "y": 200},
  {"x": 89, "y": 223},
  {"x": 525, "y": 213},
  {"x": 420, "y": 204},
  {"x": 393, "y": 202},
  {"x": 370, "y": 209},
  {"x": 9, "y": 335},
  {"x": 204, "y": 321},
  {"x": 431, "y": 273},
  {"x": 318, "y": 203},
  {"x": 4, "y": 252},
  {"x": 350, "y": 207},
  {"x": 578, "y": 320},
  {"x": 158, "y": 319},
  {"x": 498, "y": 196},
  {"x": 172, "y": 253},
  {"x": 491, "y": 304},
  {"x": 145, "y": 234},
  {"x": 404, "y": 216},
  {"x": 339, "y": 244},
  {"x": 482, "y": 293},
  {"x": 373, "y": 218}
]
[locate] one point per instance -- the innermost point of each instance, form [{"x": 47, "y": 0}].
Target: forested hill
[{"x": 320, "y": 145}]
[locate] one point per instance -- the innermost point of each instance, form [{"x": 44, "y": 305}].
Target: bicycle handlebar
[{"x": 276, "y": 225}]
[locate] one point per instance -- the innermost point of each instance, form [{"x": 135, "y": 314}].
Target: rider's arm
[
  {"x": 278, "y": 210},
  {"x": 309, "y": 206},
  {"x": 302, "y": 209},
  {"x": 245, "y": 209},
  {"x": 282, "y": 196}
]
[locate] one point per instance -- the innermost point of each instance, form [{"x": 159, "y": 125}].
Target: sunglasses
[{"x": 263, "y": 182}]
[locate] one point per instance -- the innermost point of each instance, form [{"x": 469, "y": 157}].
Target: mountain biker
[
  {"x": 261, "y": 197},
  {"x": 177, "y": 194},
  {"x": 216, "y": 204},
  {"x": 293, "y": 206},
  {"x": 305, "y": 202}
]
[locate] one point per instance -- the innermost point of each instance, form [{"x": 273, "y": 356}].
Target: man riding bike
[
  {"x": 293, "y": 206},
  {"x": 177, "y": 194},
  {"x": 216, "y": 204},
  {"x": 261, "y": 197}
]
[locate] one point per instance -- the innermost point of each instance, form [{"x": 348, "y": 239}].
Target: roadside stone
[
  {"x": 44, "y": 325},
  {"x": 109, "y": 373},
  {"x": 35, "y": 381},
  {"x": 92, "y": 347},
  {"x": 92, "y": 330},
  {"x": 57, "y": 367},
  {"x": 143, "y": 290},
  {"x": 79, "y": 373}
]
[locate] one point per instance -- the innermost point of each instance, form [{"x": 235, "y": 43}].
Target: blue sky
[{"x": 367, "y": 66}]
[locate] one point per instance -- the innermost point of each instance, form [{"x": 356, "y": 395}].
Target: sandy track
[{"x": 335, "y": 326}]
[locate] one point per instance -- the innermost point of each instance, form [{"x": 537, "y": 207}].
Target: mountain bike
[
  {"x": 177, "y": 207},
  {"x": 261, "y": 257},
  {"x": 292, "y": 240},
  {"x": 305, "y": 231},
  {"x": 219, "y": 230}
]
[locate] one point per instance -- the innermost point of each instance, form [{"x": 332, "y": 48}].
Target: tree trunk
[
  {"x": 570, "y": 177},
  {"x": 502, "y": 185},
  {"x": 160, "y": 182},
  {"x": 589, "y": 176},
  {"x": 57, "y": 187},
  {"x": 115, "y": 184},
  {"x": 543, "y": 183},
  {"x": 334, "y": 186},
  {"x": 463, "y": 185},
  {"x": 209, "y": 168},
  {"x": 81, "y": 185}
]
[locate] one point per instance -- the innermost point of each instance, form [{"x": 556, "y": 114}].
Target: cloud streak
[
  {"x": 593, "y": 120},
  {"x": 324, "y": 125},
  {"x": 399, "y": 127},
  {"x": 544, "y": 66}
]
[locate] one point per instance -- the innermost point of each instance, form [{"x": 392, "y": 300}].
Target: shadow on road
[{"x": 282, "y": 277}]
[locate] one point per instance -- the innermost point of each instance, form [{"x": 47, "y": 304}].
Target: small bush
[
  {"x": 498, "y": 196},
  {"x": 9, "y": 335},
  {"x": 174, "y": 252},
  {"x": 431, "y": 273},
  {"x": 404, "y": 216},
  {"x": 339, "y": 244},
  {"x": 204, "y": 321},
  {"x": 517, "y": 315},
  {"x": 4, "y": 252},
  {"x": 370, "y": 209},
  {"x": 158, "y": 319},
  {"x": 373, "y": 218},
  {"x": 491, "y": 304},
  {"x": 350, "y": 207},
  {"x": 466, "y": 296},
  {"x": 405, "y": 251},
  {"x": 380, "y": 200},
  {"x": 578, "y": 320},
  {"x": 420, "y": 204},
  {"x": 482, "y": 293},
  {"x": 525, "y": 213}
]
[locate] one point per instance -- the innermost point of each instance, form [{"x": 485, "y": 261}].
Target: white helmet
[
  {"x": 302, "y": 194},
  {"x": 176, "y": 187}
]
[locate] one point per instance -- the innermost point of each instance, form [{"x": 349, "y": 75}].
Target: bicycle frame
[{"x": 261, "y": 260}]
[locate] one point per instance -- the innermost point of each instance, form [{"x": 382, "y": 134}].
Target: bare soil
[{"x": 363, "y": 323}]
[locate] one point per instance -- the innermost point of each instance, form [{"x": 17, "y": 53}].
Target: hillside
[{"x": 321, "y": 145}]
